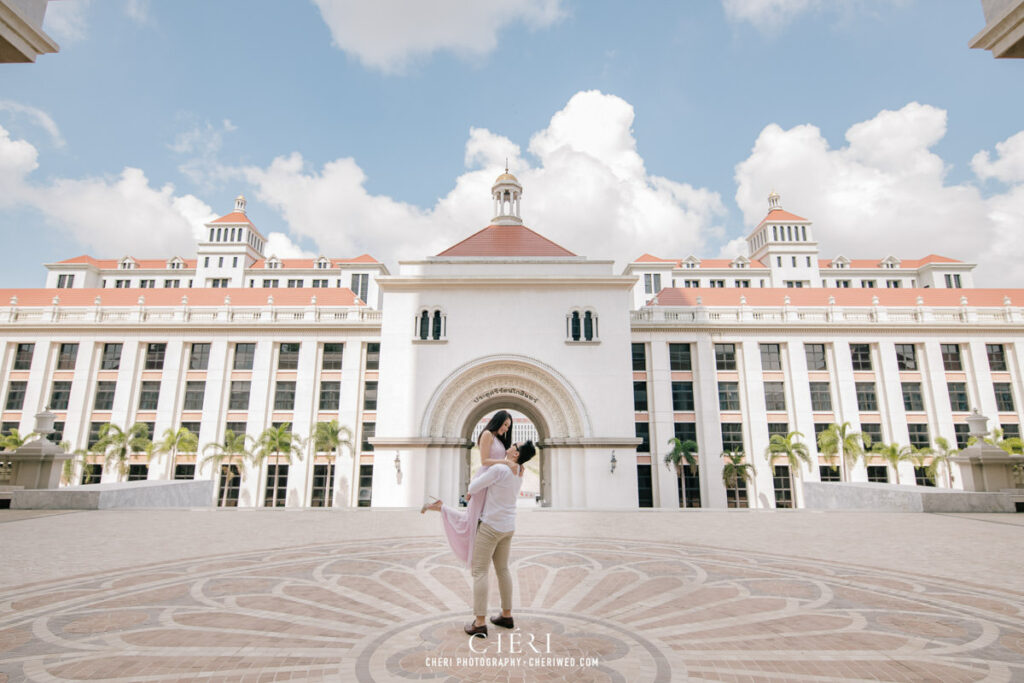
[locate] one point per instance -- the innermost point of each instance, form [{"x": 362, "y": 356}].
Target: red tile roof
[
  {"x": 114, "y": 263},
  {"x": 704, "y": 263},
  {"x": 648, "y": 258},
  {"x": 780, "y": 216},
  {"x": 506, "y": 240},
  {"x": 207, "y": 296},
  {"x": 909, "y": 264},
  {"x": 311, "y": 263},
  {"x": 233, "y": 217},
  {"x": 819, "y": 296}
]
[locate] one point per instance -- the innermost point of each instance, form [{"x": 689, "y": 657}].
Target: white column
[
  {"x": 709, "y": 430},
  {"x": 661, "y": 424},
  {"x": 890, "y": 402},
  {"x": 755, "y": 420},
  {"x": 846, "y": 401}
]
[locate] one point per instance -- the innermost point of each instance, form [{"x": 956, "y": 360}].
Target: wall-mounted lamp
[
  {"x": 614, "y": 462},
  {"x": 398, "y": 469}
]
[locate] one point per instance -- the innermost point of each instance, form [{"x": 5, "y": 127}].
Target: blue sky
[{"x": 378, "y": 127}]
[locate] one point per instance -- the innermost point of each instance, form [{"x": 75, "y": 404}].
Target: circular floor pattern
[{"x": 590, "y": 610}]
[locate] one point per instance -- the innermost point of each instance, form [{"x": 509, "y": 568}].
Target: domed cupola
[{"x": 507, "y": 194}]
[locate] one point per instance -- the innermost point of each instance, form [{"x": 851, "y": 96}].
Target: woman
[{"x": 460, "y": 524}]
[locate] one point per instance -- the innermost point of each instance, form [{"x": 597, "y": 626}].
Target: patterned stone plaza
[{"x": 743, "y": 595}]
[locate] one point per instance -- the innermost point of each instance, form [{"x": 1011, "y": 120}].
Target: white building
[{"x": 607, "y": 367}]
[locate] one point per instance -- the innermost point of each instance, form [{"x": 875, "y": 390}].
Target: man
[{"x": 494, "y": 535}]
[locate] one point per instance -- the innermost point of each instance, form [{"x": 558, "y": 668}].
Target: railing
[
  {"x": 18, "y": 315},
  {"x": 830, "y": 315}
]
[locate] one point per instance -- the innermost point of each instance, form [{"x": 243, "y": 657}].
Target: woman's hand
[{"x": 468, "y": 496}]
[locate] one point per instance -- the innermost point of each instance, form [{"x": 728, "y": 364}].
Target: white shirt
[{"x": 502, "y": 487}]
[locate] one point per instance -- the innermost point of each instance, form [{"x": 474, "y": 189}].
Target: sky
[{"x": 644, "y": 127}]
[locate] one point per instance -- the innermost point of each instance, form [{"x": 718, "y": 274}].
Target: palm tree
[
  {"x": 839, "y": 439},
  {"x": 13, "y": 440},
  {"x": 223, "y": 456},
  {"x": 894, "y": 454},
  {"x": 795, "y": 452},
  {"x": 180, "y": 439},
  {"x": 736, "y": 470},
  {"x": 682, "y": 452},
  {"x": 942, "y": 454},
  {"x": 332, "y": 436},
  {"x": 276, "y": 441},
  {"x": 918, "y": 457},
  {"x": 1012, "y": 445},
  {"x": 118, "y": 445}
]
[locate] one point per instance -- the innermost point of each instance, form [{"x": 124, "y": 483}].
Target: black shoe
[
  {"x": 472, "y": 629},
  {"x": 504, "y": 622}
]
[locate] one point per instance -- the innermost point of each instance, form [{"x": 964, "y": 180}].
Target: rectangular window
[
  {"x": 867, "y": 284},
  {"x": 194, "y": 392},
  {"x": 682, "y": 396},
  {"x": 783, "y": 487},
  {"x": 172, "y": 284},
  {"x": 192, "y": 427},
  {"x": 323, "y": 485},
  {"x": 23, "y": 356},
  {"x": 185, "y": 472},
  {"x": 138, "y": 472},
  {"x": 774, "y": 396},
  {"x": 244, "y": 355},
  {"x": 829, "y": 473},
  {"x": 871, "y": 434},
  {"x": 1004, "y": 397},
  {"x": 692, "y": 284},
  {"x": 643, "y": 432},
  {"x": 16, "y": 395},
  {"x": 815, "y": 356},
  {"x": 370, "y": 396},
  {"x": 652, "y": 283},
  {"x": 238, "y": 399},
  {"x": 843, "y": 284},
  {"x": 639, "y": 358},
  {"x": 912, "y": 399},
  {"x": 277, "y": 484},
  {"x": 1010, "y": 431},
  {"x": 725, "y": 356},
  {"x": 962, "y": 433},
  {"x": 147, "y": 284},
  {"x": 122, "y": 284},
  {"x": 104, "y": 396},
  {"x": 685, "y": 431},
  {"x": 294, "y": 284},
  {"x": 60, "y": 395},
  {"x": 918, "y": 435},
  {"x": 361, "y": 285},
  {"x": 373, "y": 356},
  {"x": 867, "y": 400},
  {"x": 199, "y": 359},
  {"x": 94, "y": 434},
  {"x": 921, "y": 477},
  {"x": 717, "y": 284},
  {"x": 330, "y": 395},
  {"x": 860, "y": 355},
  {"x": 821, "y": 398},
  {"x": 58, "y": 432},
  {"x": 68, "y": 281},
  {"x": 951, "y": 357},
  {"x": 742, "y": 283},
  {"x": 270, "y": 284},
  {"x": 878, "y": 474},
  {"x": 771, "y": 358},
  {"x": 289, "y": 357},
  {"x": 640, "y": 397},
  {"x": 149, "y": 395},
  {"x": 906, "y": 357},
  {"x": 111, "y": 357},
  {"x": 780, "y": 428},
  {"x": 893, "y": 284},
  {"x": 679, "y": 359},
  {"x": 369, "y": 431},
  {"x": 320, "y": 284},
  {"x": 732, "y": 437},
  {"x": 155, "y": 356},
  {"x": 958, "y": 402},
  {"x": 996, "y": 357},
  {"x": 284, "y": 396},
  {"x": 332, "y": 356},
  {"x": 729, "y": 395},
  {"x": 67, "y": 356}
]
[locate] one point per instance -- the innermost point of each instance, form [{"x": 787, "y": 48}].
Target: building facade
[{"x": 607, "y": 367}]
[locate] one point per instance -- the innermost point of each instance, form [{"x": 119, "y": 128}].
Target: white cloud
[
  {"x": 200, "y": 142},
  {"x": 282, "y": 246},
  {"x": 38, "y": 116},
  {"x": 770, "y": 15},
  {"x": 388, "y": 34},
  {"x": 589, "y": 192},
  {"x": 1009, "y": 164},
  {"x": 66, "y": 20},
  {"x": 138, "y": 11},
  {"x": 885, "y": 192},
  {"x": 124, "y": 212}
]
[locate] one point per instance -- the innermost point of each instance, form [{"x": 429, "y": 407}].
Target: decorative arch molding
[{"x": 521, "y": 383}]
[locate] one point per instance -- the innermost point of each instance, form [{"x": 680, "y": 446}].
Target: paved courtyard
[{"x": 261, "y": 595}]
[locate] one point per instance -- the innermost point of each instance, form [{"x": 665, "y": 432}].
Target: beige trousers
[{"x": 491, "y": 545}]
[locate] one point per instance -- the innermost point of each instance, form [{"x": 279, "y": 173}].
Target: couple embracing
[{"x": 481, "y": 534}]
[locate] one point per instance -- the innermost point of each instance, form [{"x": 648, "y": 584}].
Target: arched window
[
  {"x": 211, "y": 234},
  {"x": 424, "y": 324},
  {"x": 437, "y": 325},
  {"x": 430, "y": 325},
  {"x": 575, "y": 331},
  {"x": 581, "y": 326},
  {"x": 588, "y": 326}
]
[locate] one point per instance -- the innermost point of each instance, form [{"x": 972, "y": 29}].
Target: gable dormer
[
  {"x": 322, "y": 263},
  {"x": 127, "y": 263},
  {"x": 175, "y": 263},
  {"x": 273, "y": 262},
  {"x": 740, "y": 262},
  {"x": 691, "y": 261},
  {"x": 889, "y": 262},
  {"x": 840, "y": 263}
]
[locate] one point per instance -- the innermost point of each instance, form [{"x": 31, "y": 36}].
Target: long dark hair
[{"x": 494, "y": 424}]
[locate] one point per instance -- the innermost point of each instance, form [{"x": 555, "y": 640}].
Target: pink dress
[{"x": 460, "y": 523}]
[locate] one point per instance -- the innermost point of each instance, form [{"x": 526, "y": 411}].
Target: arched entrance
[{"x": 534, "y": 492}]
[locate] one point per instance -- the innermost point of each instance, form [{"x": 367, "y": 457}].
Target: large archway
[{"x": 535, "y": 491}]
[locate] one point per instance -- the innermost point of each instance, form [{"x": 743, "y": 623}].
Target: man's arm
[{"x": 493, "y": 475}]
